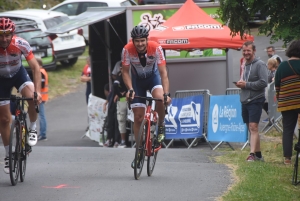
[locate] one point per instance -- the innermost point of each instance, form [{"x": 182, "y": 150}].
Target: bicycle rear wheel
[
  {"x": 23, "y": 154},
  {"x": 152, "y": 159},
  {"x": 14, "y": 151},
  {"x": 140, "y": 151}
]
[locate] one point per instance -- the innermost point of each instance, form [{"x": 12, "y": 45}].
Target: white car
[
  {"x": 67, "y": 47},
  {"x": 75, "y": 7}
]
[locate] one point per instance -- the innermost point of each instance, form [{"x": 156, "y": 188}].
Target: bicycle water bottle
[{"x": 23, "y": 137}]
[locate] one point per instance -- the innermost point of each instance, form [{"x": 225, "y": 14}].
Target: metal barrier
[
  {"x": 274, "y": 116},
  {"x": 206, "y": 95},
  {"x": 231, "y": 91}
]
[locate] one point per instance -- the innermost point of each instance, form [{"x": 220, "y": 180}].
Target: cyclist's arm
[
  {"x": 164, "y": 78},
  {"x": 126, "y": 77},
  {"x": 161, "y": 62},
  {"x": 26, "y": 50},
  {"x": 35, "y": 68}
]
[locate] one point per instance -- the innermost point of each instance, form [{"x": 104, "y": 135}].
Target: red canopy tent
[{"x": 191, "y": 28}]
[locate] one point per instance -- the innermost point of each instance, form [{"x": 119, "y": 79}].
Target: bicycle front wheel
[
  {"x": 152, "y": 159},
  {"x": 140, "y": 151},
  {"x": 14, "y": 151},
  {"x": 23, "y": 154}
]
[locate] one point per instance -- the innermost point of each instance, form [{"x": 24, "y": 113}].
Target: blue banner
[
  {"x": 185, "y": 118},
  {"x": 225, "y": 121}
]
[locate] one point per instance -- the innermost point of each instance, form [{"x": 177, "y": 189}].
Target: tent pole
[
  {"x": 108, "y": 52},
  {"x": 227, "y": 68}
]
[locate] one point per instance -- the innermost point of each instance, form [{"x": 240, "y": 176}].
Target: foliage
[{"x": 283, "y": 17}]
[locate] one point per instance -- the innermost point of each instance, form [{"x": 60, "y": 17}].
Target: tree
[{"x": 283, "y": 17}]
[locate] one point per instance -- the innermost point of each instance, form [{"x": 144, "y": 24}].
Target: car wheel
[{"x": 69, "y": 62}]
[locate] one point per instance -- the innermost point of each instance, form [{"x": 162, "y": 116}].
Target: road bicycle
[
  {"x": 147, "y": 144},
  {"x": 18, "y": 147}
]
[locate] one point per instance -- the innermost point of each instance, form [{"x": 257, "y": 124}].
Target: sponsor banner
[
  {"x": 96, "y": 117},
  {"x": 153, "y": 19},
  {"x": 225, "y": 121},
  {"x": 185, "y": 118},
  {"x": 197, "y": 26}
]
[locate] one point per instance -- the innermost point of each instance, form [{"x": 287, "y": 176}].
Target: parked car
[
  {"x": 145, "y": 2},
  {"x": 258, "y": 18},
  {"x": 73, "y": 8},
  {"x": 41, "y": 47},
  {"x": 67, "y": 47}
]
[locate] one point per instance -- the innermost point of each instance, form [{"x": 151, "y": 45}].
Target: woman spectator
[
  {"x": 272, "y": 67},
  {"x": 287, "y": 82}
]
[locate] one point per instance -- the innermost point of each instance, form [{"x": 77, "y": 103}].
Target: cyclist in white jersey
[
  {"x": 148, "y": 72},
  {"x": 13, "y": 74}
]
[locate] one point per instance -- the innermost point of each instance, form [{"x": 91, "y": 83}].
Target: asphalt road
[{"x": 67, "y": 167}]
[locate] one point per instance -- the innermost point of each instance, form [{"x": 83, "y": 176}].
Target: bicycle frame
[
  {"x": 20, "y": 115},
  {"x": 150, "y": 116}
]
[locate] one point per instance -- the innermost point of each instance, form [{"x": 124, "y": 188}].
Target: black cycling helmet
[{"x": 139, "y": 31}]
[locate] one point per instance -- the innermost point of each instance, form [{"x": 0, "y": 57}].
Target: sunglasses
[{"x": 8, "y": 31}]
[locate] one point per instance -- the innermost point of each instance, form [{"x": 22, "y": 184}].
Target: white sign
[
  {"x": 172, "y": 53},
  {"x": 96, "y": 117}
]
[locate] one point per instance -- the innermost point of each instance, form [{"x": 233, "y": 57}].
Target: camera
[{"x": 297, "y": 147}]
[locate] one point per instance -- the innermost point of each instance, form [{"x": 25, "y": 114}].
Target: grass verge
[
  {"x": 66, "y": 79},
  {"x": 269, "y": 180}
]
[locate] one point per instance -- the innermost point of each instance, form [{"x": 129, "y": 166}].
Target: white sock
[
  {"x": 32, "y": 126},
  {"x": 122, "y": 141},
  {"x": 6, "y": 150}
]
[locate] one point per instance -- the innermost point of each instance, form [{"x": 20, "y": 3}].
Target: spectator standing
[
  {"x": 272, "y": 67},
  {"x": 271, "y": 54},
  {"x": 242, "y": 66},
  {"x": 287, "y": 81},
  {"x": 44, "y": 93},
  {"x": 120, "y": 97},
  {"x": 252, "y": 96},
  {"x": 86, "y": 77},
  {"x": 111, "y": 121},
  {"x": 116, "y": 70}
]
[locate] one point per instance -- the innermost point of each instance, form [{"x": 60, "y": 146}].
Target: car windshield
[
  {"x": 28, "y": 37},
  {"x": 52, "y": 22}
]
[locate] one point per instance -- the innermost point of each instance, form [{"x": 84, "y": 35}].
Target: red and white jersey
[
  {"x": 10, "y": 58},
  {"x": 154, "y": 58}
]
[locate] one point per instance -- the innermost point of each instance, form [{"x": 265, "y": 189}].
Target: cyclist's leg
[
  {"x": 5, "y": 118},
  {"x": 26, "y": 88},
  {"x": 5, "y": 121},
  {"x": 138, "y": 105},
  {"x": 157, "y": 92}
]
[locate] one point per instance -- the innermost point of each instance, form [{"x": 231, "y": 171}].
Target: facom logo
[
  {"x": 215, "y": 118},
  {"x": 174, "y": 41},
  {"x": 177, "y": 41}
]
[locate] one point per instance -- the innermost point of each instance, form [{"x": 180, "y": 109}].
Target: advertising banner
[
  {"x": 185, "y": 118},
  {"x": 96, "y": 117},
  {"x": 155, "y": 18},
  {"x": 225, "y": 121}
]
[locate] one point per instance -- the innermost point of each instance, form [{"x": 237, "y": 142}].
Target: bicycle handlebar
[
  {"x": 15, "y": 98},
  {"x": 148, "y": 99}
]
